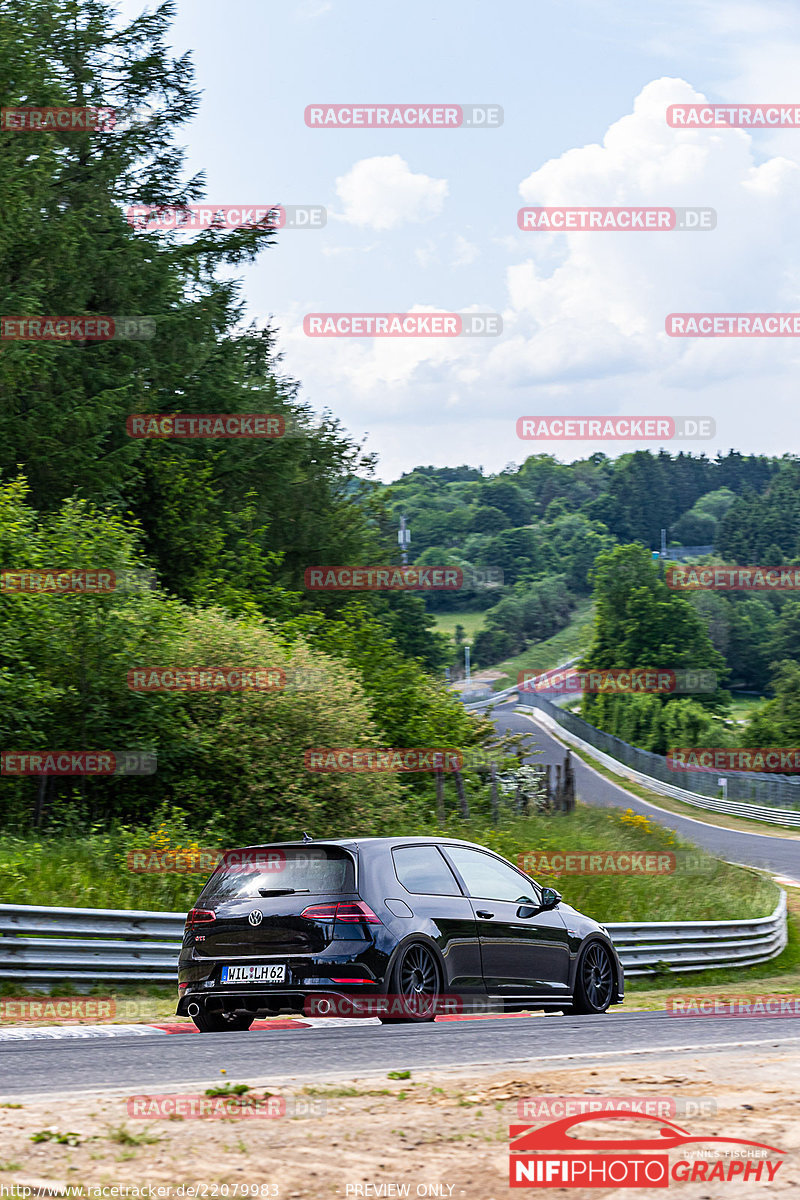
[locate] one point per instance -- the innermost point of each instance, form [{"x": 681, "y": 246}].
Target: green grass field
[
  {"x": 471, "y": 620},
  {"x": 742, "y": 707}
]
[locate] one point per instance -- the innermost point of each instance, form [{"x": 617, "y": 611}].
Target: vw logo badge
[{"x": 256, "y": 917}]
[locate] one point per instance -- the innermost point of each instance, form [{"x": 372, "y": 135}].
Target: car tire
[
  {"x": 218, "y": 1021},
  {"x": 415, "y": 975},
  {"x": 594, "y": 981}
]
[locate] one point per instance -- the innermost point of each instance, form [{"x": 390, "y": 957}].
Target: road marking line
[
  {"x": 665, "y": 1049},
  {"x": 50, "y": 1033}
]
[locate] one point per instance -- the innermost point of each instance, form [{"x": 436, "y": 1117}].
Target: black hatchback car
[{"x": 401, "y": 927}]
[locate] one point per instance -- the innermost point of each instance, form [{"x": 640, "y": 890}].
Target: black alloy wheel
[
  {"x": 594, "y": 983},
  {"x": 415, "y": 986}
]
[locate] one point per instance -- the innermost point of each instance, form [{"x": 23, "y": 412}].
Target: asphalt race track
[
  {"x": 778, "y": 854},
  {"x": 352, "y": 1049},
  {"x": 272, "y": 1056}
]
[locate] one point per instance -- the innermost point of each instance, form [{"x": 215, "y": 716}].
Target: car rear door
[{"x": 524, "y": 956}]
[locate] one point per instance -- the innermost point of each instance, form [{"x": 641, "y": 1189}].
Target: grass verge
[
  {"x": 779, "y": 976},
  {"x": 93, "y": 871},
  {"x": 567, "y": 643}
]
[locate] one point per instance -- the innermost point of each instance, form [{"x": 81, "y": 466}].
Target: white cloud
[
  {"x": 585, "y": 311},
  {"x": 599, "y": 310},
  {"x": 343, "y": 251},
  {"x": 465, "y": 252},
  {"x": 309, "y": 10},
  {"x": 383, "y": 193}
]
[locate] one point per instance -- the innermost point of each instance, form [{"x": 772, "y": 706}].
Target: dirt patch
[
  {"x": 477, "y": 679},
  {"x": 435, "y": 1130}
]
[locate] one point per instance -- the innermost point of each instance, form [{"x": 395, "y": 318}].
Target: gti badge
[{"x": 256, "y": 917}]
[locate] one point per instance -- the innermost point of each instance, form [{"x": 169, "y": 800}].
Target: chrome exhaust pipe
[{"x": 193, "y": 1010}]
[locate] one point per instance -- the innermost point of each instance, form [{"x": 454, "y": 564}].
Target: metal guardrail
[
  {"x": 499, "y": 697},
  {"x": 44, "y": 947},
  {"x": 700, "y": 945},
  {"x": 737, "y": 808},
  {"x": 744, "y": 789}
]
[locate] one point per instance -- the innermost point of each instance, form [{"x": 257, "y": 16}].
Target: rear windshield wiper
[{"x": 281, "y": 891}]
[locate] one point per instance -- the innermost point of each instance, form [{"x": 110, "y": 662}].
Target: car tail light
[
  {"x": 352, "y": 913},
  {"x": 200, "y": 916}
]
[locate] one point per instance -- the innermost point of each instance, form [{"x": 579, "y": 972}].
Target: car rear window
[
  {"x": 318, "y": 871},
  {"x": 422, "y": 870}
]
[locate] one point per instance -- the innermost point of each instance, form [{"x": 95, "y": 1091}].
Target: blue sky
[{"x": 426, "y": 219}]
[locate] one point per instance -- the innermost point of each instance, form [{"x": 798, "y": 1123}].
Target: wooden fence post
[
  {"x": 441, "y": 815},
  {"x": 495, "y": 797},
  {"x": 462, "y": 795}
]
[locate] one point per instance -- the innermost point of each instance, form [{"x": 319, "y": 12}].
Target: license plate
[{"x": 248, "y": 973}]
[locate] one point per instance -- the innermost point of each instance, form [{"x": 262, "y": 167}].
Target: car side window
[
  {"x": 422, "y": 870},
  {"x": 488, "y": 879}
]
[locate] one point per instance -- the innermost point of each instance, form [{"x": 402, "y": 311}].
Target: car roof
[{"x": 377, "y": 842}]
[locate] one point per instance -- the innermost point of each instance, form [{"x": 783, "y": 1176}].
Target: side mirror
[{"x": 550, "y": 898}]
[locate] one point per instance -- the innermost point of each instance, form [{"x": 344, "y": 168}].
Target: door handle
[{"x": 487, "y": 916}]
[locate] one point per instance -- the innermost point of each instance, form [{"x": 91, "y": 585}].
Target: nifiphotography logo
[{"x": 554, "y": 1156}]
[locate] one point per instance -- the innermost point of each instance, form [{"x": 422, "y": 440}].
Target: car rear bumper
[
  {"x": 329, "y": 1002},
  {"x": 200, "y": 978},
  {"x": 264, "y": 1003}
]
